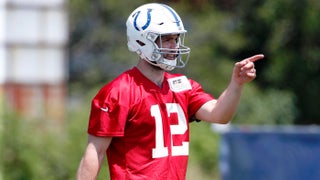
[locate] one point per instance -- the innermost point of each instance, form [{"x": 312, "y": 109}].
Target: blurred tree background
[{"x": 220, "y": 32}]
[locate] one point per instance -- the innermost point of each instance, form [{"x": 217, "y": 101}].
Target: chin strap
[{"x": 165, "y": 64}]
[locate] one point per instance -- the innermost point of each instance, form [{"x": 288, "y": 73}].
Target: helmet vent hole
[{"x": 161, "y": 23}]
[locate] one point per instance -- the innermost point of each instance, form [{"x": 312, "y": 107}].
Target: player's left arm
[
  {"x": 222, "y": 110},
  {"x": 92, "y": 159}
]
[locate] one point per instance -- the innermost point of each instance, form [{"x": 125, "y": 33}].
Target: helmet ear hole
[{"x": 140, "y": 43}]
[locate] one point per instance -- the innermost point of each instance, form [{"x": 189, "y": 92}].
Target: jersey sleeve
[
  {"x": 109, "y": 110},
  {"x": 197, "y": 97}
]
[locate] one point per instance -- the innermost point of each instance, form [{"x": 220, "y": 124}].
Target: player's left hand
[{"x": 244, "y": 70}]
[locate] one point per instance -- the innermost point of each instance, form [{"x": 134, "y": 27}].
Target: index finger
[{"x": 255, "y": 57}]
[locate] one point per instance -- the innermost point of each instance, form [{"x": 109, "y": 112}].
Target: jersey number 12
[{"x": 160, "y": 150}]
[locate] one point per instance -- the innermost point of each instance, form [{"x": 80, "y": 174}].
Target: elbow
[{"x": 222, "y": 119}]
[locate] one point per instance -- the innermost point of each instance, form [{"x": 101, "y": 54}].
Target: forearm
[
  {"x": 89, "y": 166},
  {"x": 227, "y": 103},
  {"x": 221, "y": 110}
]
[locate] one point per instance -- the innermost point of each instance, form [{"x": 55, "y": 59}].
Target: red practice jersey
[{"x": 149, "y": 124}]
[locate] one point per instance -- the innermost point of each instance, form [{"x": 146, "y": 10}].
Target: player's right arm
[{"x": 93, "y": 157}]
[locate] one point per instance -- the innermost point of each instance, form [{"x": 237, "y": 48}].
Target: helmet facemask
[{"x": 167, "y": 58}]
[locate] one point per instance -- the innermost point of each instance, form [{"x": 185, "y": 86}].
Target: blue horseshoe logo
[{"x": 147, "y": 23}]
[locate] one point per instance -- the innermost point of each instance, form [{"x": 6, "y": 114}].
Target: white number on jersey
[{"x": 160, "y": 150}]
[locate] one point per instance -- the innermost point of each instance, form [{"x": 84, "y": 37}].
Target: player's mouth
[{"x": 170, "y": 56}]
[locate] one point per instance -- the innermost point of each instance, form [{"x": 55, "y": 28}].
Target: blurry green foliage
[{"x": 33, "y": 150}]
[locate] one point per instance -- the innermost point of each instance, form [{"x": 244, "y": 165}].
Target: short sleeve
[
  {"x": 197, "y": 97},
  {"x": 109, "y": 111}
]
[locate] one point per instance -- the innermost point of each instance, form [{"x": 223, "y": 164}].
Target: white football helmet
[{"x": 149, "y": 22}]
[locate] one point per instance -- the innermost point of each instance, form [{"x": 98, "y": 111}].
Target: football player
[{"x": 140, "y": 120}]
